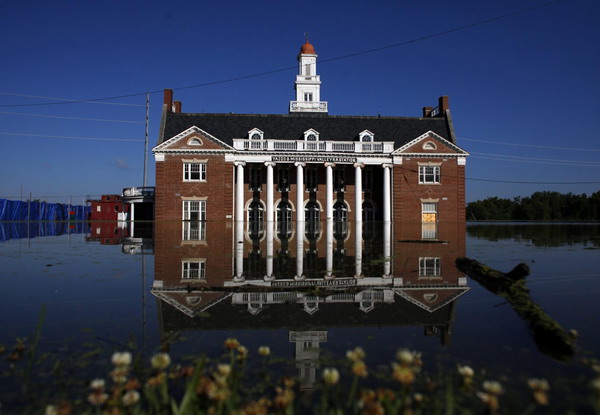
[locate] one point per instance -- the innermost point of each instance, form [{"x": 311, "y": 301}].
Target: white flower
[
  {"x": 264, "y": 350},
  {"x": 466, "y": 371},
  {"x": 331, "y": 376},
  {"x": 160, "y": 361},
  {"x": 97, "y": 384},
  {"x": 131, "y": 398},
  {"x": 121, "y": 359}
]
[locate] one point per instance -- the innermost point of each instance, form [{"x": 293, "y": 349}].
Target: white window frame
[
  {"x": 189, "y": 171},
  {"x": 430, "y": 267},
  {"x": 193, "y": 269},
  {"x": 193, "y": 231},
  {"x": 429, "y": 174},
  {"x": 190, "y": 206}
]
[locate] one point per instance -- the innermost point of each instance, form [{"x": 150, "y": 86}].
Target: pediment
[
  {"x": 190, "y": 303},
  {"x": 431, "y": 299},
  {"x": 430, "y": 143},
  {"x": 193, "y": 138}
]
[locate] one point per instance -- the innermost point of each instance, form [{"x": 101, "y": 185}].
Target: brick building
[{"x": 310, "y": 167}]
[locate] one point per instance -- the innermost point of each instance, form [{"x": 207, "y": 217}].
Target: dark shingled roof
[{"x": 226, "y": 127}]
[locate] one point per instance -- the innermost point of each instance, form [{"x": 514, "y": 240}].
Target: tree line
[{"x": 538, "y": 206}]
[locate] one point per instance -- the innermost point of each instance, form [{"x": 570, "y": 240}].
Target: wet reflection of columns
[
  {"x": 387, "y": 193},
  {"x": 239, "y": 251},
  {"x": 387, "y": 249},
  {"x": 358, "y": 192},
  {"x": 329, "y": 238},
  {"x": 269, "y": 276},
  {"x": 329, "y": 191},
  {"x": 299, "y": 250},
  {"x": 269, "y": 186},
  {"x": 239, "y": 192},
  {"x": 300, "y": 192},
  {"x": 358, "y": 249}
]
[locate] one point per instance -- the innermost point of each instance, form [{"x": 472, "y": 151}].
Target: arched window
[
  {"x": 340, "y": 212},
  {"x": 284, "y": 220},
  {"x": 340, "y": 220},
  {"x": 255, "y": 220},
  {"x": 312, "y": 212}
]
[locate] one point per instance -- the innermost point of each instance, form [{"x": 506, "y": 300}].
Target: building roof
[{"x": 226, "y": 127}]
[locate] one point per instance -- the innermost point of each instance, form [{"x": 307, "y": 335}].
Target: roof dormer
[
  {"x": 366, "y": 137},
  {"x": 311, "y": 135},
  {"x": 256, "y": 134}
]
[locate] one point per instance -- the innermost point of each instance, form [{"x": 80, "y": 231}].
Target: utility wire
[
  {"x": 287, "y": 68},
  {"x": 72, "y": 138},
  {"x": 65, "y": 101},
  {"x": 70, "y": 118},
  {"x": 537, "y": 158},
  {"x": 531, "y": 145},
  {"x": 536, "y": 162}
]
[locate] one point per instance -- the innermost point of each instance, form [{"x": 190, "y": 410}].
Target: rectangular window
[
  {"x": 308, "y": 96},
  {"x": 429, "y": 220},
  {"x": 255, "y": 179},
  {"x": 193, "y": 270},
  {"x": 429, "y": 174},
  {"x": 339, "y": 184},
  {"x": 98, "y": 208},
  {"x": 429, "y": 267},
  {"x": 194, "y": 172},
  {"x": 283, "y": 179},
  {"x": 194, "y": 210},
  {"x": 310, "y": 179},
  {"x": 194, "y": 231}
]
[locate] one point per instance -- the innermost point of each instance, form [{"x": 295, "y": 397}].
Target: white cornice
[
  {"x": 162, "y": 147},
  {"x": 430, "y": 134}
]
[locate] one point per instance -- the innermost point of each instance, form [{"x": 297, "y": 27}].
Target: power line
[
  {"x": 539, "y": 159},
  {"x": 72, "y": 137},
  {"x": 531, "y": 145},
  {"x": 70, "y": 118},
  {"x": 524, "y": 182},
  {"x": 287, "y": 68},
  {"x": 66, "y": 101},
  {"x": 536, "y": 162}
]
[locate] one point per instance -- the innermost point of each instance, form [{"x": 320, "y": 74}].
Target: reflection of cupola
[{"x": 308, "y": 83}]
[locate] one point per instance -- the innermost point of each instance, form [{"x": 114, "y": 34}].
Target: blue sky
[{"x": 524, "y": 90}]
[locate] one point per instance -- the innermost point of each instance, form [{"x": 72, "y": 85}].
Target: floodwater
[{"x": 379, "y": 286}]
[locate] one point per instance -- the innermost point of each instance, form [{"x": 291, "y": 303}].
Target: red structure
[{"x": 108, "y": 208}]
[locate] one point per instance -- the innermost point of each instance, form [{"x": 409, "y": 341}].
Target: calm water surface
[{"x": 198, "y": 284}]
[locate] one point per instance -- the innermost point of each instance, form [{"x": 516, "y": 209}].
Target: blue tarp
[
  {"x": 18, "y": 230},
  {"x": 14, "y": 210}
]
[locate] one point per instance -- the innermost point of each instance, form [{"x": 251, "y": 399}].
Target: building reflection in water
[{"x": 307, "y": 277}]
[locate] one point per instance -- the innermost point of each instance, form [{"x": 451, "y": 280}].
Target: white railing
[
  {"x": 301, "y": 145},
  {"x": 138, "y": 191}
]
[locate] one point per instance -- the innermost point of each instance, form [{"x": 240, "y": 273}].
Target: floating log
[{"x": 549, "y": 336}]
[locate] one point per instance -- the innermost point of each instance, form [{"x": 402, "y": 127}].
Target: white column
[
  {"x": 358, "y": 248},
  {"x": 387, "y": 249},
  {"x": 269, "y": 276},
  {"x": 358, "y": 193},
  {"x": 329, "y": 271},
  {"x": 299, "y": 250},
  {"x": 269, "y": 185},
  {"x": 387, "y": 193},
  {"x": 132, "y": 211},
  {"x": 300, "y": 192},
  {"x": 329, "y": 190},
  {"x": 239, "y": 192},
  {"x": 239, "y": 251}
]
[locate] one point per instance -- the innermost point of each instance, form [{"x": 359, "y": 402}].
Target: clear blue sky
[{"x": 529, "y": 80}]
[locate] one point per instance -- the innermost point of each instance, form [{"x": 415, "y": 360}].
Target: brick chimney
[
  {"x": 177, "y": 107},
  {"x": 443, "y": 104},
  {"x": 427, "y": 111},
  {"x": 168, "y": 101}
]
